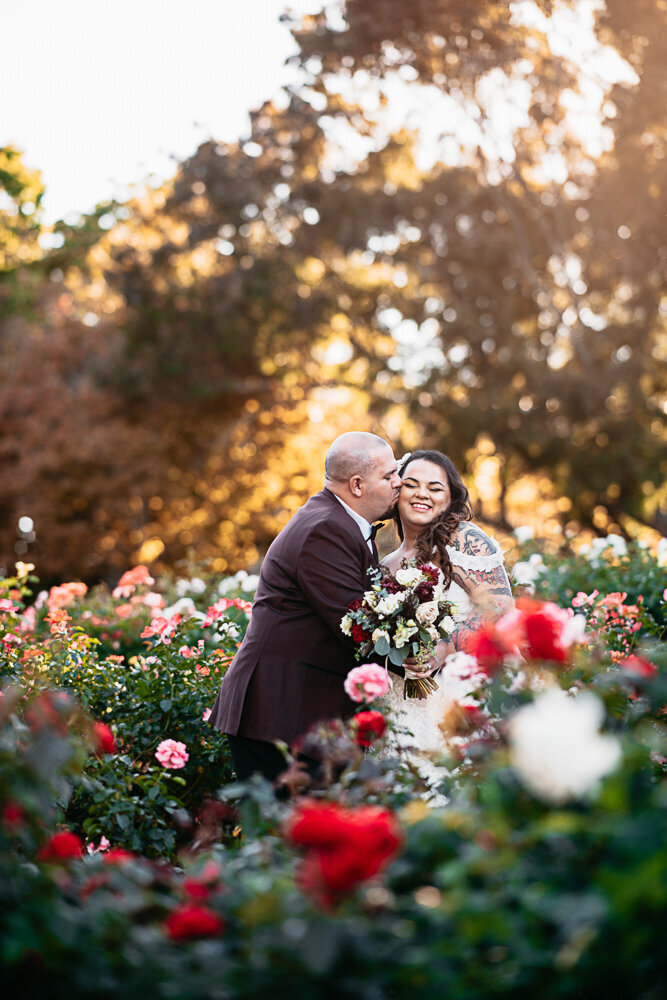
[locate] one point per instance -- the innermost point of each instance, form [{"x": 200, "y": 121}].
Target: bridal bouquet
[{"x": 402, "y": 615}]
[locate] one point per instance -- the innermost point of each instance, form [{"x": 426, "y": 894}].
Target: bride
[{"x": 434, "y": 521}]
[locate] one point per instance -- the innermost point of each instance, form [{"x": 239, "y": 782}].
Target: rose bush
[
  {"x": 542, "y": 876},
  {"x": 139, "y": 691}
]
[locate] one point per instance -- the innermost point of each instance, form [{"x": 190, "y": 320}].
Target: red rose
[
  {"x": 638, "y": 665},
  {"x": 368, "y": 727},
  {"x": 344, "y": 847},
  {"x": 13, "y": 815},
  {"x": 489, "y": 649},
  {"x": 103, "y": 738},
  {"x": 359, "y": 634},
  {"x": 542, "y": 637},
  {"x": 61, "y": 847},
  {"x": 117, "y": 856},
  {"x": 430, "y": 572},
  {"x": 192, "y": 921},
  {"x": 195, "y": 889},
  {"x": 355, "y": 604}
]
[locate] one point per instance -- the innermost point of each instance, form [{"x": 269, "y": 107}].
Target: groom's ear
[{"x": 355, "y": 486}]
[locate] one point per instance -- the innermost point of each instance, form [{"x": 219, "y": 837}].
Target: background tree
[{"x": 418, "y": 238}]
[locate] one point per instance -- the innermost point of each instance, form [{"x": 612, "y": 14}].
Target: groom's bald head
[
  {"x": 353, "y": 454},
  {"x": 361, "y": 471}
]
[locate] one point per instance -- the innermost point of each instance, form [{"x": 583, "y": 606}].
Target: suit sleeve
[{"x": 331, "y": 574}]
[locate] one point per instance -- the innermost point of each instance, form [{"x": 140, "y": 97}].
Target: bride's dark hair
[{"x": 437, "y": 535}]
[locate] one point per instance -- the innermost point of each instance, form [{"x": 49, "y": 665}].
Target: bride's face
[{"x": 425, "y": 493}]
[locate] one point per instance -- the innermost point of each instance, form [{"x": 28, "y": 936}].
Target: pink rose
[
  {"x": 172, "y": 754},
  {"x": 367, "y": 682}
]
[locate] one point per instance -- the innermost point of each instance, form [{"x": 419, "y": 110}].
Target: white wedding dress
[{"x": 423, "y": 741}]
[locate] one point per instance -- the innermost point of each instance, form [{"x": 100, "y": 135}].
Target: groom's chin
[{"x": 388, "y": 514}]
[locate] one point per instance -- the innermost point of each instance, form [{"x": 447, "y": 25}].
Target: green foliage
[{"x": 609, "y": 565}]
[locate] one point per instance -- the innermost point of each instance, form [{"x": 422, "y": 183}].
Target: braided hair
[{"x": 439, "y": 533}]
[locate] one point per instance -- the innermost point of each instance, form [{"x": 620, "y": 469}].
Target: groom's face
[{"x": 381, "y": 486}]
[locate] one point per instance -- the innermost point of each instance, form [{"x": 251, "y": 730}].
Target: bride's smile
[{"x": 425, "y": 493}]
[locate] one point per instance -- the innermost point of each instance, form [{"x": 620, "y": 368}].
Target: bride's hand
[
  {"x": 422, "y": 667},
  {"x": 425, "y": 666}
]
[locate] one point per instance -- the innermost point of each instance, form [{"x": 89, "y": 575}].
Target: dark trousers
[{"x": 257, "y": 757}]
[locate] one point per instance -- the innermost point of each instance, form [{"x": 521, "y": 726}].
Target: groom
[{"x": 289, "y": 670}]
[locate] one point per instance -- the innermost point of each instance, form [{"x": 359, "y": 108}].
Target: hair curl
[{"x": 439, "y": 533}]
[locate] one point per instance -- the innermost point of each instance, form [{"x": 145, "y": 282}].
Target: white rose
[
  {"x": 380, "y": 633},
  {"x": 346, "y": 625},
  {"x": 433, "y": 634},
  {"x": 427, "y": 612},
  {"x": 447, "y": 625},
  {"x": 409, "y": 577},
  {"x": 388, "y": 604},
  {"x": 556, "y": 745}
]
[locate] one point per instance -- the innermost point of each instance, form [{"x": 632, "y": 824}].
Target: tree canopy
[{"x": 449, "y": 232}]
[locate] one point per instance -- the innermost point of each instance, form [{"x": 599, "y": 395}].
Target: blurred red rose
[
  {"x": 638, "y": 665},
  {"x": 193, "y": 921},
  {"x": 103, "y": 738},
  {"x": 488, "y": 649},
  {"x": 368, "y": 727},
  {"x": 117, "y": 856},
  {"x": 13, "y": 815},
  {"x": 61, "y": 847},
  {"x": 344, "y": 847},
  {"x": 543, "y": 637}
]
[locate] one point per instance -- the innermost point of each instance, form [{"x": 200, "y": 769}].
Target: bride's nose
[{"x": 421, "y": 490}]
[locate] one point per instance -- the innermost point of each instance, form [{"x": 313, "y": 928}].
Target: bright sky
[{"x": 100, "y": 95}]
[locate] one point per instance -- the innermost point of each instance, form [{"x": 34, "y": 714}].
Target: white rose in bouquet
[
  {"x": 409, "y": 577},
  {"x": 380, "y": 633},
  {"x": 388, "y": 604},
  {"x": 427, "y": 612}
]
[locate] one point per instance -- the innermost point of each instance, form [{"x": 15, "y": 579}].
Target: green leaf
[
  {"x": 382, "y": 646},
  {"x": 396, "y": 656}
]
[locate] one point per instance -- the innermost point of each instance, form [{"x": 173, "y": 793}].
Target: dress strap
[{"x": 465, "y": 560}]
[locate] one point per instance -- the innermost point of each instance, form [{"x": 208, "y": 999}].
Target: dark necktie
[{"x": 374, "y": 530}]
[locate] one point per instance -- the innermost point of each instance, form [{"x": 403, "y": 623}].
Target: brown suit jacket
[{"x": 289, "y": 670}]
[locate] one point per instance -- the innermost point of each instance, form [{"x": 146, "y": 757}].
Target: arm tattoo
[{"x": 488, "y": 589}]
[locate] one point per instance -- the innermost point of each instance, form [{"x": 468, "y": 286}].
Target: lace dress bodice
[{"x": 421, "y": 717}]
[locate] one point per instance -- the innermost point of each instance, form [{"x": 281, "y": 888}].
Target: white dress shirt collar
[{"x": 364, "y": 525}]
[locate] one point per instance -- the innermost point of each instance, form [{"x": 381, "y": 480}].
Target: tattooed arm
[{"x": 479, "y": 570}]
